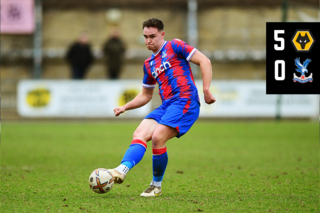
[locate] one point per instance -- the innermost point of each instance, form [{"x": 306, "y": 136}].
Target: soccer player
[{"x": 169, "y": 67}]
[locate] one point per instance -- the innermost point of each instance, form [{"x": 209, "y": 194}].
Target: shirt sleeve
[
  {"x": 148, "y": 80},
  {"x": 183, "y": 49}
]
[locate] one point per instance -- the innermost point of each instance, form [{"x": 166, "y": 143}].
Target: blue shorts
[{"x": 179, "y": 114}]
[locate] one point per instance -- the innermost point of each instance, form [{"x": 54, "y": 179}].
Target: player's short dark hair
[{"x": 153, "y": 22}]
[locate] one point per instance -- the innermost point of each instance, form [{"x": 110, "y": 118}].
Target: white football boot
[
  {"x": 152, "y": 191},
  {"x": 118, "y": 177}
]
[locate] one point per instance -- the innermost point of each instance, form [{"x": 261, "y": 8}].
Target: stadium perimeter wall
[{"x": 220, "y": 28}]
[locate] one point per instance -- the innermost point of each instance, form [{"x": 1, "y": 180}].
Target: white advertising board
[
  {"x": 98, "y": 98},
  {"x": 249, "y": 99},
  {"x": 72, "y": 98}
]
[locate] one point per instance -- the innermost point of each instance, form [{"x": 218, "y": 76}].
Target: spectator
[
  {"x": 80, "y": 56},
  {"x": 114, "y": 50}
]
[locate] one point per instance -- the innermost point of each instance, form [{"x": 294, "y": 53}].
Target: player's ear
[{"x": 162, "y": 33}]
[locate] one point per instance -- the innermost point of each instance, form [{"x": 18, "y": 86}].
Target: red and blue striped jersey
[{"x": 171, "y": 69}]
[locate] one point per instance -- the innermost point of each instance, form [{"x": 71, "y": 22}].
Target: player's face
[{"x": 153, "y": 38}]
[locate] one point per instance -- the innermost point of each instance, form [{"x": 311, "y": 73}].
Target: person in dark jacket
[
  {"x": 80, "y": 56},
  {"x": 114, "y": 50}
]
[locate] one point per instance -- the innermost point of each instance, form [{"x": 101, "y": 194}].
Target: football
[{"x": 101, "y": 181}]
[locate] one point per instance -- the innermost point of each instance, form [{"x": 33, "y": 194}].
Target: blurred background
[{"x": 40, "y": 71}]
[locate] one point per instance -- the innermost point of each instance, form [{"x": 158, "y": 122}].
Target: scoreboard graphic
[{"x": 293, "y": 58}]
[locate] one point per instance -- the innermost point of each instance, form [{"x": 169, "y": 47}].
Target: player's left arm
[{"x": 206, "y": 71}]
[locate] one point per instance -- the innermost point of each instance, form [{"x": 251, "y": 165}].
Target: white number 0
[
  {"x": 276, "y": 38},
  {"x": 276, "y": 70}
]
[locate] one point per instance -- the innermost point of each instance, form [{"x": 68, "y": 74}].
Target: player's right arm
[{"x": 140, "y": 100}]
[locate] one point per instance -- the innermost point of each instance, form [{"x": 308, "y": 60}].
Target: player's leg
[
  {"x": 136, "y": 150},
  {"x": 160, "y": 136},
  {"x": 138, "y": 146},
  {"x": 177, "y": 120}
]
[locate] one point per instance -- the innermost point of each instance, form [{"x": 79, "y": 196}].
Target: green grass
[{"x": 216, "y": 167}]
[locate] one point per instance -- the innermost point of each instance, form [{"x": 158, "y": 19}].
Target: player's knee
[
  {"x": 138, "y": 134},
  {"x": 157, "y": 141}
]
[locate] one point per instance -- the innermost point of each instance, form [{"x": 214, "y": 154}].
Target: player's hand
[
  {"x": 208, "y": 97},
  {"x": 117, "y": 111}
]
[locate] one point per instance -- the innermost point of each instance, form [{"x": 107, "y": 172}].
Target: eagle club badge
[{"x": 302, "y": 68}]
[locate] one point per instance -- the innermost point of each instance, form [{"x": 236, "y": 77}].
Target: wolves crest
[{"x": 303, "y": 40}]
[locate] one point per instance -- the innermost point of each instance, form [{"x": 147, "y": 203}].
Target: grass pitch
[{"x": 216, "y": 167}]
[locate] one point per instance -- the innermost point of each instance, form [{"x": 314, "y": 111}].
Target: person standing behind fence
[
  {"x": 114, "y": 50},
  {"x": 80, "y": 56}
]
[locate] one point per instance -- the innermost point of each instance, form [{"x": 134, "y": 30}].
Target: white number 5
[{"x": 276, "y": 38}]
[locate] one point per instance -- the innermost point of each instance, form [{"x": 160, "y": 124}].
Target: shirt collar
[{"x": 164, "y": 43}]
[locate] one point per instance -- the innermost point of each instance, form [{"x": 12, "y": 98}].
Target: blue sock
[
  {"x": 134, "y": 153},
  {"x": 159, "y": 163}
]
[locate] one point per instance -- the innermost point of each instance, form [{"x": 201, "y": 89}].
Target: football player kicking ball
[{"x": 169, "y": 67}]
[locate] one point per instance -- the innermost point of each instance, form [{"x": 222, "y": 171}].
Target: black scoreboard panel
[{"x": 293, "y": 58}]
